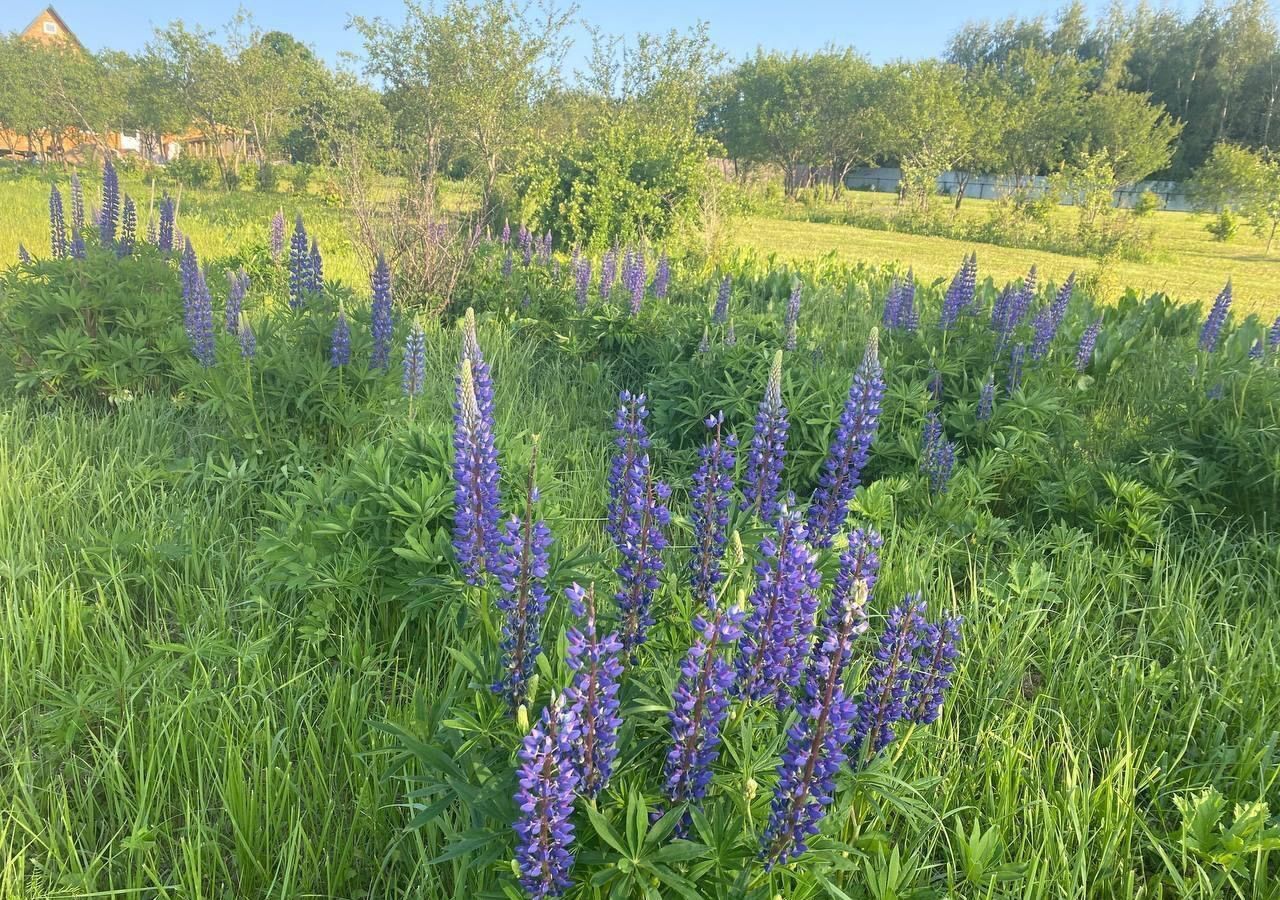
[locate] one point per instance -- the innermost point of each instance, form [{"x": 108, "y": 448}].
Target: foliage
[{"x": 1244, "y": 181}]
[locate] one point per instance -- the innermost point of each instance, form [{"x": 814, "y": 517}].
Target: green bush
[
  {"x": 1147, "y": 203},
  {"x": 1224, "y": 226},
  {"x": 193, "y": 171},
  {"x": 267, "y": 178},
  {"x": 300, "y": 177}
]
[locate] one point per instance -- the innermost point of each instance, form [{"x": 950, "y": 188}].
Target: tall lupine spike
[
  {"x": 608, "y": 272},
  {"x": 198, "y": 318},
  {"x": 892, "y": 301},
  {"x": 1023, "y": 298},
  {"x": 632, "y": 441},
  {"x": 720, "y": 313},
  {"x": 730, "y": 335},
  {"x": 164, "y": 236},
  {"x": 582, "y": 281},
  {"x": 248, "y": 341},
  {"x": 662, "y": 277},
  {"x": 57, "y": 225},
  {"x": 415, "y": 362},
  {"x": 128, "y": 228},
  {"x": 110, "y": 213},
  {"x": 1014, "y": 379},
  {"x": 1217, "y": 318},
  {"x": 1273, "y": 336},
  {"x": 521, "y": 568},
  {"x": 987, "y": 398},
  {"x": 506, "y": 231},
  {"x": 960, "y": 293},
  {"x": 908, "y": 315},
  {"x": 476, "y": 499},
  {"x": 1062, "y": 300},
  {"x": 315, "y": 269},
  {"x": 816, "y": 743},
  {"x": 480, "y": 373},
  {"x": 637, "y": 282},
  {"x": 381, "y": 324},
  {"x": 237, "y": 286},
  {"x": 934, "y": 665},
  {"x": 299, "y": 265},
  {"x": 940, "y": 463},
  {"x": 768, "y": 450},
  {"x": 275, "y": 239},
  {"x": 783, "y": 607},
  {"x": 1049, "y": 319},
  {"x": 526, "y": 246},
  {"x": 791, "y": 322},
  {"x": 711, "y": 497},
  {"x": 643, "y": 538},
  {"x": 850, "y": 448},
  {"x": 930, "y": 437},
  {"x": 889, "y": 680},
  {"x": 859, "y": 565},
  {"x": 77, "y": 250},
  {"x": 700, "y": 702},
  {"x": 1088, "y": 340},
  {"x": 592, "y": 695},
  {"x": 340, "y": 341},
  {"x": 547, "y": 781},
  {"x": 77, "y": 203},
  {"x": 507, "y": 263}
]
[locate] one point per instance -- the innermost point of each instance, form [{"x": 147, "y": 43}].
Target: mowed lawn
[{"x": 1185, "y": 262}]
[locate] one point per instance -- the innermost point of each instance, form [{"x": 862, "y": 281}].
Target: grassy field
[{"x": 238, "y": 660}]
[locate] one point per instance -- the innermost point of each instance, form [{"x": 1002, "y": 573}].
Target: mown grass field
[{"x": 235, "y": 643}]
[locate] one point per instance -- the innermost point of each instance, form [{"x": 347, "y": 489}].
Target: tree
[
  {"x": 1238, "y": 179},
  {"x": 931, "y": 127}
]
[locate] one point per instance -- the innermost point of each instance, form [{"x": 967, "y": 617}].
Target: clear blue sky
[{"x": 881, "y": 30}]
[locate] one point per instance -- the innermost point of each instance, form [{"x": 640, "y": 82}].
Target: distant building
[{"x": 49, "y": 28}]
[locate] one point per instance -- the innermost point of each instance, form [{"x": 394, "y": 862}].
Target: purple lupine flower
[
  {"x": 547, "y": 781},
  {"x": 521, "y": 568},
  {"x": 582, "y": 281},
  {"x": 608, "y": 272},
  {"x": 1014, "y": 380},
  {"x": 643, "y": 539},
  {"x": 1020, "y": 305},
  {"x": 850, "y": 447},
  {"x": 526, "y": 246},
  {"x": 941, "y": 461},
  {"x": 24, "y": 258},
  {"x": 784, "y": 604},
  {"x": 545, "y": 251},
  {"x": 198, "y": 318},
  {"x": 889, "y": 681},
  {"x": 891, "y": 300},
  {"x": 57, "y": 225},
  {"x": 480, "y": 373},
  {"x": 1273, "y": 336},
  {"x": 1256, "y": 351},
  {"x": 506, "y": 232},
  {"x": 632, "y": 441},
  {"x": 859, "y": 562},
  {"x": 77, "y": 249},
  {"x": 340, "y": 342},
  {"x": 315, "y": 269},
  {"x": 476, "y": 499},
  {"x": 592, "y": 694},
  {"x": 1049, "y": 319},
  {"x": 730, "y": 335},
  {"x": 276, "y": 237},
  {"x": 768, "y": 446},
  {"x": 237, "y": 286},
  {"x": 662, "y": 276},
  {"x": 907, "y": 315},
  {"x": 791, "y": 320},
  {"x": 700, "y": 702},
  {"x": 930, "y": 437},
  {"x": 164, "y": 235},
  {"x": 381, "y": 324},
  {"x": 987, "y": 399},
  {"x": 1213, "y": 323},
  {"x": 1084, "y": 352},
  {"x": 720, "y": 314},
  {"x": 637, "y": 282},
  {"x": 934, "y": 665},
  {"x": 415, "y": 361},
  {"x": 128, "y": 228},
  {"x": 711, "y": 497},
  {"x": 299, "y": 266},
  {"x": 507, "y": 264},
  {"x": 77, "y": 203},
  {"x": 816, "y": 744},
  {"x": 1000, "y": 313},
  {"x": 110, "y": 204},
  {"x": 960, "y": 293},
  {"x": 248, "y": 341}
]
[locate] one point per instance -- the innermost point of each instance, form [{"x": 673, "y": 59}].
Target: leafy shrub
[
  {"x": 1224, "y": 226},
  {"x": 300, "y": 177},
  {"x": 1147, "y": 203},
  {"x": 267, "y": 178},
  {"x": 195, "y": 171}
]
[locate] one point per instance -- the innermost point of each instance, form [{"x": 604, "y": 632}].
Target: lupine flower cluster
[
  {"x": 237, "y": 287},
  {"x": 546, "y": 783},
  {"x": 1014, "y": 379},
  {"x": 1217, "y": 318},
  {"x": 77, "y": 203},
  {"x": 768, "y": 446},
  {"x": 711, "y": 498},
  {"x": 415, "y": 361},
  {"x": 544, "y": 251},
  {"x": 526, "y": 246},
  {"x": 784, "y": 603},
  {"x": 792, "y": 318},
  {"x": 58, "y": 246},
  {"x": 961, "y": 292},
  {"x": 381, "y": 324},
  {"x": 128, "y": 228},
  {"x": 662, "y": 277},
  {"x": 315, "y": 269},
  {"x": 299, "y": 266},
  {"x": 608, "y": 272},
  {"x": 1273, "y": 336},
  {"x": 521, "y": 568},
  {"x": 935, "y": 664},
  {"x": 582, "y": 281},
  {"x": 937, "y": 454},
  {"x": 340, "y": 342},
  {"x": 1256, "y": 351},
  {"x": 110, "y": 213},
  {"x": 720, "y": 313},
  {"x": 592, "y": 695},
  {"x": 888, "y": 686},
  {"x": 850, "y": 448},
  {"x": 1088, "y": 340},
  {"x": 1011, "y": 308},
  {"x": 248, "y": 340},
  {"x": 506, "y": 232},
  {"x": 700, "y": 703},
  {"x": 987, "y": 398},
  {"x": 1049, "y": 319},
  {"x": 900, "y": 304},
  {"x": 507, "y": 264},
  {"x": 164, "y": 235},
  {"x": 638, "y": 517},
  {"x": 634, "y": 278},
  {"x": 477, "y": 503},
  {"x": 276, "y": 238},
  {"x": 197, "y": 308}
]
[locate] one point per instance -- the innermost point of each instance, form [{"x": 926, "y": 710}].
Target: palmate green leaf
[{"x": 604, "y": 829}]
